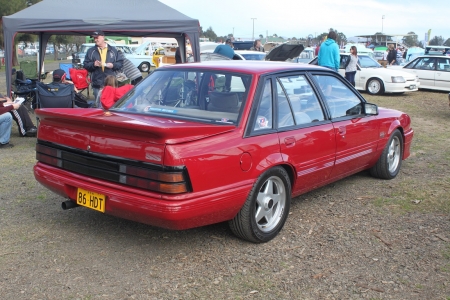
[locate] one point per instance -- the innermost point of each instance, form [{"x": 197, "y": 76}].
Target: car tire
[
  {"x": 390, "y": 161},
  {"x": 144, "y": 67},
  {"x": 375, "y": 86},
  {"x": 267, "y": 207}
]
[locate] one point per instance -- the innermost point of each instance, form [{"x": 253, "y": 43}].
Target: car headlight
[{"x": 398, "y": 79}]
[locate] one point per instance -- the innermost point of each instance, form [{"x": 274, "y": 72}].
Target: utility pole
[
  {"x": 253, "y": 33},
  {"x": 382, "y": 21}
]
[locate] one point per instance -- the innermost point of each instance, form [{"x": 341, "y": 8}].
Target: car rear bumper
[
  {"x": 409, "y": 86},
  {"x": 196, "y": 209}
]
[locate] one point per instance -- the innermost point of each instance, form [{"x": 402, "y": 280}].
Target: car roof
[
  {"x": 247, "y": 66},
  {"x": 433, "y": 56},
  {"x": 248, "y": 52}
]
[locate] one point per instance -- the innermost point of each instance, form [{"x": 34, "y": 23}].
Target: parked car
[
  {"x": 196, "y": 144},
  {"x": 242, "y": 45},
  {"x": 305, "y": 57},
  {"x": 375, "y": 79},
  {"x": 250, "y": 54},
  {"x": 433, "y": 71},
  {"x": 142, "y": 56}
]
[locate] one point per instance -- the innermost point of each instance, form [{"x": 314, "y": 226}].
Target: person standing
[
  {"x": 350, "y": 66},
  {"x": 101, "y": 60},
  {"x": 392, "y": 55},
  {"x": 329, "y": 56},
  {"x": 225, "y": 49},
  {"x": 257, "y": 46}
]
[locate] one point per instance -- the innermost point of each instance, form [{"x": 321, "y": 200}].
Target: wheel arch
[
  {"x": 374, "y": 77},
  {"x": 290, "y": 171}
]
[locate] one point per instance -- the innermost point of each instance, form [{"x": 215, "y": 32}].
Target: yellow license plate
[{"x": 90, "y": 199}]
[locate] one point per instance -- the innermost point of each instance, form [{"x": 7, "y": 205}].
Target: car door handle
[
  {"x": 342, "y": 130},
  {"x": 289, "y": 141}
]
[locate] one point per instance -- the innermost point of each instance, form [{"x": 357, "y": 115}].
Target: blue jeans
[
  {"x": 350, "y": 76},
  {"x": 5, "y": 127}
]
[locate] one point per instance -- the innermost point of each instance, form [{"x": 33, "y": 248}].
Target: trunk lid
[{"x": 125, "y": 135}]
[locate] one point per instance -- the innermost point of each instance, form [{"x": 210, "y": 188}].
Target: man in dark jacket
[{"x": 101, "y": 60}]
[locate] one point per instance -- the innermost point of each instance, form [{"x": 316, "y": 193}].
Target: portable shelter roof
[{"x": 133, "y": 18}]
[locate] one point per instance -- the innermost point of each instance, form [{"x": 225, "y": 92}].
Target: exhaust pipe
[{"x": 68, "y": 205}]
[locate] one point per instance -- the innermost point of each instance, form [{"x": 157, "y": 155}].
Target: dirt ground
[{"x": 359, "y": 238}]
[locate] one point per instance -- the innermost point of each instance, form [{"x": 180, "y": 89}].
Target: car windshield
[
  {"x": 124, "y": 49},
  {"x": 84, "y": 48},
  {"x": 201, "y": 95},
  {"x": 367, "y": 62},
  {"x": 254, "y": 56}
]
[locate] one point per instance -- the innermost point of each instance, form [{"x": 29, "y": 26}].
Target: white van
[{"x": 361, "y": 49}]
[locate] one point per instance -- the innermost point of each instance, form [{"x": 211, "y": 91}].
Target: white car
[
  {"x": 142, "y": 56},
  {"x": 373, "y": 78},
  {"x": 433, "y": 71},
  {"x": 249, "y": 55}
]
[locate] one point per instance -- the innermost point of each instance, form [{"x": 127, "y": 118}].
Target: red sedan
[{"x": 197, "y": 144}]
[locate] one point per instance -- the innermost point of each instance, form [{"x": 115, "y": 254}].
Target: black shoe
[
  {"x": 31, "y": 132},
  {"x": 7, "y": 145}
]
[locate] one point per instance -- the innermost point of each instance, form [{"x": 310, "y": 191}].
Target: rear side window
[
  {"x": 302, "y": 99},
  {"x": 264, "y": 116}
]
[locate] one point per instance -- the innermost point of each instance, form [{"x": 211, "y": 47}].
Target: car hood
[
  {"x": 391, "y": 71},
  {"x": 284, "y": 52}
]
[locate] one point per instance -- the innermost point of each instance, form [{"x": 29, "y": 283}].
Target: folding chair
[
  {"x": 54, "y": 95},
  {"x": 66, "y": 67},
  {"x": 23, "y": 87},
  {"x": 80, "y": 79}
]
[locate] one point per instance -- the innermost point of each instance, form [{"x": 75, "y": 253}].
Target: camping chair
[
  {"x": 23, "y": 87},
  {"x": 54, "y": 95},
  {"x": 80, "y": 79},
  {"x": 66, "y": 67}
]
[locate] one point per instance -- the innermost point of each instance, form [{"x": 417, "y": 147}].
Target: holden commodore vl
[{"x": 202, "y": 143}]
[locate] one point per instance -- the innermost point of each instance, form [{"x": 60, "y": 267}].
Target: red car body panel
[{"x": 222, "y": 161}]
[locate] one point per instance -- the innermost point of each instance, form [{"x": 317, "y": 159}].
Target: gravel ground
[{"x": 359, "y": 238}]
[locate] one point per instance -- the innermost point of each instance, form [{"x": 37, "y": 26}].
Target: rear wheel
[
  {"x": 266, "y": 209},
  {"x": 390, "y": 161},
  {"x": 144, "y": 67},
  {"x": 375, "y": 86}
]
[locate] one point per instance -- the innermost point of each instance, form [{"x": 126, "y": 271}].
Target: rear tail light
[{"x": 169, "y": 182}]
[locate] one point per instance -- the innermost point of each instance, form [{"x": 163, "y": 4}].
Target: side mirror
[{"x": 371, "y": 109}]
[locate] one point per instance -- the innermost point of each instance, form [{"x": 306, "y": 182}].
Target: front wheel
[
  {"x": 375, "y": 86},
  {"x": 144, "y": 67},
  {"x": 266, "y": 209},
  {"x": 390, "y": 161}
]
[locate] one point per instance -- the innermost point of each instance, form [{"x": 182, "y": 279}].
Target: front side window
[
  {"x": 303, "y": 101},
  {"x": 426, "y": 63},
  {"x": 341, "y": 101},
  {"x": 205, "y": 96}
]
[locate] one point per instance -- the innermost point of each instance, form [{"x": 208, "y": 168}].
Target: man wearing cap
[
  {"x": 225, "y": 50},
  {"x": 101, "y": 60}
]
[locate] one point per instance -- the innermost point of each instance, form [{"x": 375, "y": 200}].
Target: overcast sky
[{"x": 301, "y": 18}]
